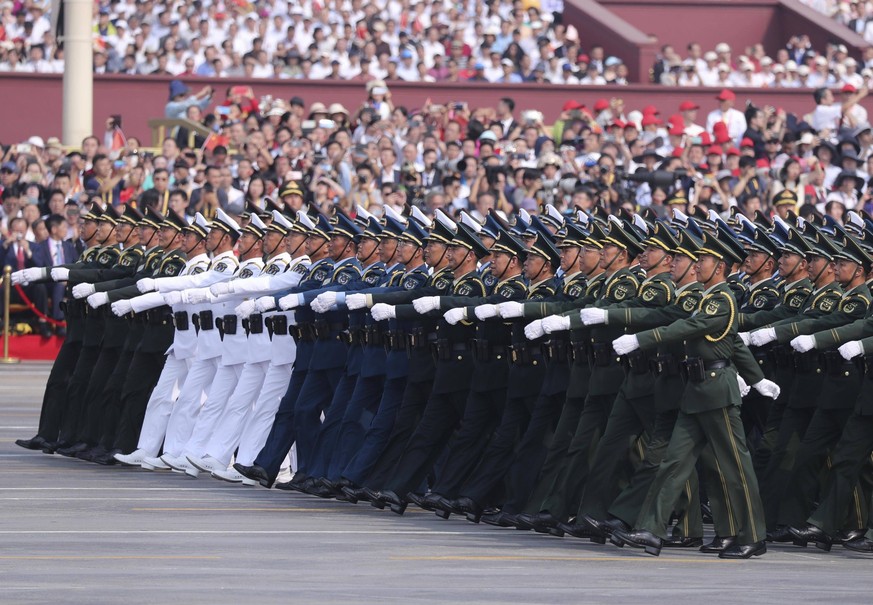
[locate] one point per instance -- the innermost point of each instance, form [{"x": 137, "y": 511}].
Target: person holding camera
[{"x": 17, "y": 253}]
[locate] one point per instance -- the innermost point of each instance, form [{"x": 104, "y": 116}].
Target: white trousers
[
  {"x": 259, "y": 421},
  {"x": 184, "y": 415},
  {"x": 154, "y": 425},
  {"x": 223, "y": 386}
]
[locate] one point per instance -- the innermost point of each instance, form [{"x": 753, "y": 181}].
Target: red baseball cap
[
  {"x": 676, "y": 131},
  {"x": 726, "y": 95},
  {"x": 714, "y": 150},
  {"x": 732, "y": 151},
  {"x": 570, "y": 105},
  {"x": 650, "y": 110},
  {"x": 688, "y": 106},
  {"x": 617, "y": 124},
  {"x": 722, "y": 137},
  {"x": 677, "y": 152},
  {"x": 583, "y": 59},
  {"x": 747, "y": 142},
  {"x": 849, "y": 88},
  {"x": 601, "y": 104},
  {"x": 650, "y": 120}
]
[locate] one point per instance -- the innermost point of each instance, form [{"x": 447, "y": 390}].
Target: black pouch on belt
[
  {"x": 181, "y": 320},
  {"x": 694, "y": 370},
  {"x": 256, "y": 323},
  {"x": 230, "y": 324},
  {"x": 206, "y": 320}
]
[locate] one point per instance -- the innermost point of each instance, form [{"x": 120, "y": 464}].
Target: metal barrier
[{"x": 7, "y": 290}]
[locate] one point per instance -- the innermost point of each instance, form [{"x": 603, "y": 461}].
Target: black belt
[{"x": 718, "y": 364}]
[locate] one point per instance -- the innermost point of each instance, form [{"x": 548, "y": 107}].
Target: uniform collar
[
  {"x": 687, "y": 286},
  {"x": 198, "y": 259},
  {"x": 224, "y": 255}
]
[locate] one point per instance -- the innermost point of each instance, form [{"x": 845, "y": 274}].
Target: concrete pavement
[{"x": 74, "y": 532}]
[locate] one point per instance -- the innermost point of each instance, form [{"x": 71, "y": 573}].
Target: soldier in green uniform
[
  {"x": 804, "y": 383},
  {"x": 564, "y": 491},
  {"x": 625, "y": 508},
  {"x": 840, "y": 388},
  {"x": 709, "y": 409},
  {"x": 633, "y": 411}
]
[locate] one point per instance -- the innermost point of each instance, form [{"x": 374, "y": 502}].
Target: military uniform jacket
[
  {"x": 95, "y": 319},
  {"x": 526, "y": 379},
  {"x": 258, "y": 345},
  {"x": 864, "y": 403},
  {"x": 454, "y": 374},
  {"x": 710, "y": 334},
  {"x": 794, "y": 299},
  {"x": 557, "y": 377},
  {"x": 126, "y": 264},
  {"x": 854, "y": 305},
  {"x": 668, "y": 385},
  {"x": 494, "y": 334},
  {"x": 657, "y": 291},
  {"x": 331, "y": 352},
  {"x": 580, "y": 371},
  {"x": 157, "y": 337},
  {"x": 234, "y": 342},
  {"x": 74, "y": 309},
  {"x": 620, "y": 287},
  {"x": 761, "y": 296}
]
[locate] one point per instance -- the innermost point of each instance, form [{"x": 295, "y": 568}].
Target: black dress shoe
[
  {"x": 443, "y": 507},
  {"x": 255, "y": 473},
  {"x": 429, "y": 502},
  {"x": 397, "y": 504},
  {"x": 811, "y": 533},
  {"x": 640, "y": 538},
  {"x": 353, "y": 494},
  {"x": 706, "y": 512},
  {"x": 499, "y": 519},
  {"x": 417, "y": 499},
  {"x": 34, "y": 443},
  {"x": 577, "y": 530},
  {"x": 781, "y": 534},
  {"x": 860, "y": 545},
  {"x": 372, "y": 496},
  {"x": 71, "y": 451},
  {"x": 322, "y": 491},
  {"x": 603, "y": 529},
  {"x": 107, "y": 458},
  {"x": 683, "y": 542},
  {"x": 844, "y": 536},
  {"x": 718, "y": 544},
  {"x": 88, "y": 454},
  {"x": 52, "y": 446},
  {"x": 540, "y": 522},
  {"x": 469, "y": 507},
  {"x": 744, "y": 551},
  {"x": 44, "y": 330}
]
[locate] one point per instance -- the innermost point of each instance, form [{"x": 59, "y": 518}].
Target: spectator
[{"x": 17, "y": 253}]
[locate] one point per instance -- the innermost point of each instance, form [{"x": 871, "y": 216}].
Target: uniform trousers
[
  {"x": 249, "y": 435},
  {"x": 143, "y": 374},
  {"x": 198, "y": 382},
  {"x": 774, "y": 478},
  {"x": 108, "y": 407},
  {"x": 52, "y": 412},
  {"x": 328, "y": 433},
  {"x": 375, "y": 428},
  {"x": 357, "y": 416},
  {"x": 282, "y": 433},
  {"x": 75, "y": 394},
  {"x": 315, "y": 397},
  {"x": 722, "y": 430},
  {"x": 160, "y": 404},
  {"x": 223, "y": 387},
  {"x": 100, "y": 375}
]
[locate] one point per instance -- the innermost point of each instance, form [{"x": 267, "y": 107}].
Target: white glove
[
  {"x": 744, "y": 336},
  {"x": 83, "y": 290},
  {"x": 592, "y": 317},
  {"x": 121, "y": 307},
  {"x": 852, "y": 349},
  {"x": 555, "y": 323},
  {"x": 222, "y": 287},
  {"x": 759, "y": 338},
  {"x": 453, "y": 316},
  {"x": 382, "y": 311},
  {"x": 173, "y": 298},
  {"x": 625, "y": 344},
  {"x": 510, "y": 309},
  {"x": 534, "y": 329},
  {"x": 744, "y": 388},
  {"x": 292, "y": 301},
  {"x": 146, "y": 284},
  {"x": 196, "y": 296},
  {"x": 804, "y": 343},
  {"x": 426, "y": 304},
  {"x": 60, "y": 274},
  {"x": 356, "y": 301},
  {"x": 767, "y": 388},
  {"x": 267, "y": 303},
  {"x": 18, "y": 277},
  {"x": 486, "y": 311},
  {"x": 245, "y": 308},
  {"x": 323, "y": 302},
  {"x": 98, "y": 299},
  {"x": 33, "y": 274}
]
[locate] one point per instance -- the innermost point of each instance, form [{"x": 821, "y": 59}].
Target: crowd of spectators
[
  {"x": 390, "y": 40},
  {"x": 449, "y": 155},
  {"x": 797, "y": 65},
  {"x": 856, "y": 15}
]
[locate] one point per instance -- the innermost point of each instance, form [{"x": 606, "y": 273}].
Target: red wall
[{"x": 32, "y": 102}]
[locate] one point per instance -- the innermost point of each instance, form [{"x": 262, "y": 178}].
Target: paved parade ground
[{"x": 74, "y": 532}]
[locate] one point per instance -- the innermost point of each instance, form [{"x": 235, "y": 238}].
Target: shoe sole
[
  {"x": 220, "y": 478},
  {"x": 202, "y": 468}
]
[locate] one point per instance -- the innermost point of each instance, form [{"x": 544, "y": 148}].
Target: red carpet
[{"x": 34, "y": 348}]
